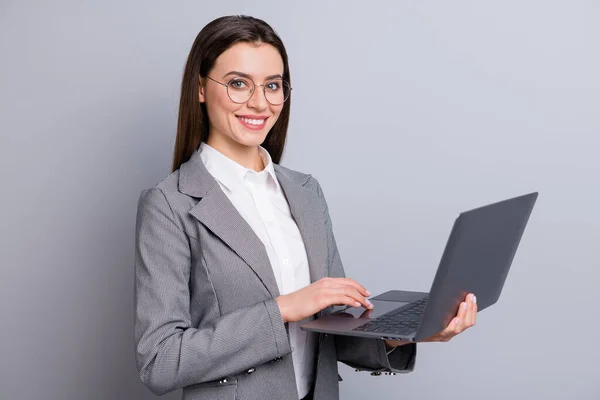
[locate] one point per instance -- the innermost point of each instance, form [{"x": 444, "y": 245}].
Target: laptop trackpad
[{"x": 379, "y": 308}]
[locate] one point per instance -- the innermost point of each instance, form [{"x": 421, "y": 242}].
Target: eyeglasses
[{"x": 240, "y": 89}]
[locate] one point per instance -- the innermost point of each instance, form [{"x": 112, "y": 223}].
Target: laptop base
[{"x": 343, "y": 322}]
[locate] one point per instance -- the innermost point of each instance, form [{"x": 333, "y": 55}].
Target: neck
[{"x": 247, "y": 156}]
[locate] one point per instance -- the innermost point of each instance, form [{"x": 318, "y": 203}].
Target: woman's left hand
[{"x": 465, "y": 318}]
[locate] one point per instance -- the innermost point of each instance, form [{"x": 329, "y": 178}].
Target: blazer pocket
[{"x": 225, "y": 389}]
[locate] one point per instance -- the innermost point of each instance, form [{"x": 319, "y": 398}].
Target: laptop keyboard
[{"x": 402, "y": 321}]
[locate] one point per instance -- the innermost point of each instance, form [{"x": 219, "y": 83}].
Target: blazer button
[
  {"x": 222, "y": 381},
  {"x": 251, "y": 370}
]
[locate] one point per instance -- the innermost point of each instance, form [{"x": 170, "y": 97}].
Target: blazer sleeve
[
  {"x": 170, "y": 352},
  {"x": 364, "y": 353}
]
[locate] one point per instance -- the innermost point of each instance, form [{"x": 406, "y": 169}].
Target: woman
[{"x": 235, "y": 251}]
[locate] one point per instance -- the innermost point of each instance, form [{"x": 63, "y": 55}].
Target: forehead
[{"x": 256, "y": 60}]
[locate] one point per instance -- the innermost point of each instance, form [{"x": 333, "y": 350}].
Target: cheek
[
  {"x": 220, "y": 108},
  {"x": 276, "y": 111}
]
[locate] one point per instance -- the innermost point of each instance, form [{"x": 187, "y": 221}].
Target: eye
[
  {"x": 239, "y": 84},
  {"x": 273, "y": 86}
]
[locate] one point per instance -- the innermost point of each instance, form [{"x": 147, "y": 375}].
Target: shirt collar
[
  {"x": 266, "y": 157},
  {"x": 229, "y": 172}
]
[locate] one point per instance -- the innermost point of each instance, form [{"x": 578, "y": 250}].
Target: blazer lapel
[
  {"x": 308, "y": 214},
  {"x": 215, "y": 211},
  {"x": 219, "y": 215}
]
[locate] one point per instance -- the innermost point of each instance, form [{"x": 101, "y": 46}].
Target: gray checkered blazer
[{"x": 206, "y": 319}]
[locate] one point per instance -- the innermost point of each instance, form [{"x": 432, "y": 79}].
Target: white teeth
[{"x": 253, "y": 121}]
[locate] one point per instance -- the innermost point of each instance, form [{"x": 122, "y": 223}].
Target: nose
[{"x": 257, "y": 100}]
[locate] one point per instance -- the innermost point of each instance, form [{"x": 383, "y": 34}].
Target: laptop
[{"x": 477, "y": 257}]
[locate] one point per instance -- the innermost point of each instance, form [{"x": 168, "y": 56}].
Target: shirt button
[{"x": 285, "y": 261}]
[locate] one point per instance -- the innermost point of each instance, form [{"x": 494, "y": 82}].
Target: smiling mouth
[{"x": 253, "y": 123}]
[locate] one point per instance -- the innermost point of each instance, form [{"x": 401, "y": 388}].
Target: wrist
[
  {"x": 282, "y": 308},
  {"x": 388, "y": 345},
  {"x": 391, "y": 344}
]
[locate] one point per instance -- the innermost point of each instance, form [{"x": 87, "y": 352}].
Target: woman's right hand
[{"x": 325, "y": 292}]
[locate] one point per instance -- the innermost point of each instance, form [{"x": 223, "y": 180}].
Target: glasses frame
[{"x": 226, "y": 85}]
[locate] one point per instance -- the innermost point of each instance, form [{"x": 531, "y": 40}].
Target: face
[{"x": 241, "y": 126}]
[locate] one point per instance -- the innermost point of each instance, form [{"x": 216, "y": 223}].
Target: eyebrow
[{"x": 248, "y": 76}]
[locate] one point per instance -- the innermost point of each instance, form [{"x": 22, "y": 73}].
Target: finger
[
  {"x": 343, "y": 299},
  {"x": 472, "y": 312},
  {"x": 462, "y": 318},
  {"x": 351, "y": 282},
  {"x": 350, "y": 291},
  {"x": 469, "y": 315},
  {"x": 351, "y": 288},
  {"x": 355, "y": 294},
  {"x": 450, "y": 331},
  {"x": 462, "y": 311}
]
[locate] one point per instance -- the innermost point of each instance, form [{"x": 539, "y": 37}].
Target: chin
[
  {"x": 248, "y": 140},
  {"x": 251, "y": 139}
]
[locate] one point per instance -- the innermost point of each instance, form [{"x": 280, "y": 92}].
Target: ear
[{"x": 201, "y": 92}]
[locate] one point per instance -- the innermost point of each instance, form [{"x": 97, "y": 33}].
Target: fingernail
[
  {"x": 464, "y": 306},
  {"x": 368, "y": 293},
  {"x": 369, "y": 303},
  {"x": 474, "y": 299},
  {"x": 357, "y": 304}
]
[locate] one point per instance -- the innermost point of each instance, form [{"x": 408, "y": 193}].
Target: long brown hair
[{"x": 214, "y": 39}]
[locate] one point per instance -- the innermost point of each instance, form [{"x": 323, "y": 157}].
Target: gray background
[{"x": 406, "y": 113}]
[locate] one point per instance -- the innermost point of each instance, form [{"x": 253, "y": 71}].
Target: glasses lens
[
  {"x": 240, "y": 89},
  {"x": 277, "y": 91}
]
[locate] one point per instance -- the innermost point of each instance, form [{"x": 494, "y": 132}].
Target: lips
[{"x": 254, "y": 122}]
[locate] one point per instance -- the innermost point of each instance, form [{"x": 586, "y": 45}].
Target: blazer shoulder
[
  {"x": 170, "y": 184},
  {"x": 166, "y": 185},
  {"x": 298, "y": 177},
  {"x": 166, "y": 191}
]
